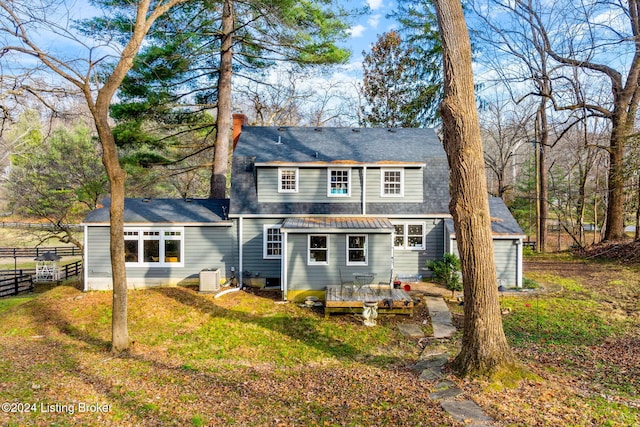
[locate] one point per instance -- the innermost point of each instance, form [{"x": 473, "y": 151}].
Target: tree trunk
[
  {"x": 614, "y": 229},
  {"x": 224, "y": 119},
  {"x": 543, "y": 176},
  {"x": 484, "y": 346},
  {"x": 117, "y": 177}
]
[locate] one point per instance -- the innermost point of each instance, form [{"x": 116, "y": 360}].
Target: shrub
[{"x": 447, "y": 272}]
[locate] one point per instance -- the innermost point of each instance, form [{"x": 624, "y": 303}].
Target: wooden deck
[{"x": 351, "y": 298}]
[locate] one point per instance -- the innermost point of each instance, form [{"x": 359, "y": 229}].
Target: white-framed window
[
  {"x": 391, "y": 182},
  {"x": 154, "y": 246},
  {"x": 410, "y": 235},
  {"x": 339, "y": 183},
  {"x": 357, "y": 249},
  {"x": 272, "y": 242},
  {"x": 318, "y": 245},
  {"x": 287, "y": 180}
]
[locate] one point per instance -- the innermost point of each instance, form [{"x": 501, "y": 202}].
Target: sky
[{"x": 365, "y": 31}]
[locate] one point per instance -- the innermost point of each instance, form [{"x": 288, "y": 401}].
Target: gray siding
[
  {"x": 312, "y": 186},
  {"x": 505, "y": 256},
  {"x": 413, "y": 262},
  {"x": 305, "y": 277},
  {"x": 98, "y": 262},
  {"x": 252, "y": 249},
  {"x": 204, "y": 247},
  {"x": 413, "y": 186},
  {"x": 505, "y": 252}
]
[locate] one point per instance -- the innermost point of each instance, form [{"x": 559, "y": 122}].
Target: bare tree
[
  {"x": 20, "y": 23},
  {"x": 505, "y": 133},
  {"x": 297, "y": 97},
  {"x": 575, "y": 37},
  {"x": 484, "y": 345}
]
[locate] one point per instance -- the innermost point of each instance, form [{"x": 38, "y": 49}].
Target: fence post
[{"x": 16, "y": 284}]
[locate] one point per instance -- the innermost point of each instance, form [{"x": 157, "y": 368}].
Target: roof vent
[
  {"x": 316, "y": 154},
  {"x": 318, "y": 129},
  {"x": 281, "y": 128},
  {"x": 355, "y": 130},
  {"x": 279, "y": 140},
  {"x": 392, "y": 130},
  {"x": 146, "y": 200},
  {"x": 188, "y": 200}
]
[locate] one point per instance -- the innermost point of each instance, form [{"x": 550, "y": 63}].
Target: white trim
[
  {"x": 519, "y": 279},
  {"x": 227, "y": 223},
  {"x": 309, "y": 261},
  {"x": 265, "y": 228},
  {"x": 161, "y": 238},
  {"x": 389, "y": 216},
  {"x": 240, "y": 251},
  {"x": 382, "y": 182},
  {"x": 85, "y": 261},
  {"x": 366, "y": 249},
  {"x": 348, "y": 193},
  {"x": 405, "y": 235},
  {"x": 297, "y": 180},
  {"x": 385, "y": 163}
]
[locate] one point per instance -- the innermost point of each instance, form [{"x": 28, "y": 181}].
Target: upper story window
[
  {"x": 318, "y": 249},
  {"x": 357, "y": 249},
  {"x": 287, "y": 180},
  {"x": 409, "y": 236},
  {"x": 272, "y": 239},
  {"x": 392, "y": 182},
  {"x": 339, "y": 184},
  {"x": 154, "y": 246}
]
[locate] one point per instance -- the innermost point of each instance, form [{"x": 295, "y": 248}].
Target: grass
[{"x": 246, "y": 360}]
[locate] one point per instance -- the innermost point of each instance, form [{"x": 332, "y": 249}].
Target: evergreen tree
[
  {"x": 185, "y": 70},
  {"x": 393, "y": 88}
]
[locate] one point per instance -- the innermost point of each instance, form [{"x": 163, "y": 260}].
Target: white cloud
[
  {"x": 375, "y": 4},
  {"x": 357, "y": 30},
  {"x": 374, "y": 20}
]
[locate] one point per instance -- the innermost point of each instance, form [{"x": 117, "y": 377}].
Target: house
[
  {"x": 167, "y": 242},
  {"x": 308, "y": 207}
]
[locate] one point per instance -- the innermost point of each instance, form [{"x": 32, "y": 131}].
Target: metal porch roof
[{"x": 371, "y": 224}]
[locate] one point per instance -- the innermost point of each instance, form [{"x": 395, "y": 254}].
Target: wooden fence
[
  {"x": 16, "y": 284},
  {"x": 38, "y": 225},
  {"x": 12, "y": 282},
  {"x": 35, "y": 252}
]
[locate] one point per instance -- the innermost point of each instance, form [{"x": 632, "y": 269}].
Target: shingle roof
[
  {"x": 166, "y": 211},
  {"x": 272, "y": 145},
  {"x": 502, "y": 222},
  {"x": 338, "y": 223},
  {"x": 362, "y": 145}
]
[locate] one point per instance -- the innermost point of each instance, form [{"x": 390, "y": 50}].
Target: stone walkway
[{"x": 435, "y": 356}]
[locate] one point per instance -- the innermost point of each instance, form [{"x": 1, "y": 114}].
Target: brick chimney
[{"x": 239, "y": 120}]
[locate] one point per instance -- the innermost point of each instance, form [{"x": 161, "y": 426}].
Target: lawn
[{"x": 247, "y": 360}]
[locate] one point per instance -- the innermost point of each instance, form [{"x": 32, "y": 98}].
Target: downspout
[
  {"x": 393, "y": 259},
  {"x": 283, "y": 266},
  {"x": 364, "y": 190},
  {"x": 519, "y": 263},
  {"x": 239, "y": 272}
]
